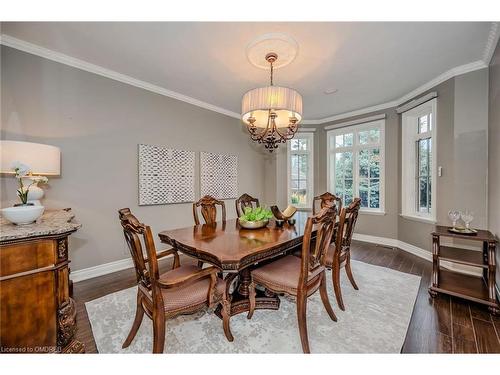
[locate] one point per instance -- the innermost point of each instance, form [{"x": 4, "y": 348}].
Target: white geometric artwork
[
  {"x": 219, "y": 175},
  {"x": 165, "y": 175}
]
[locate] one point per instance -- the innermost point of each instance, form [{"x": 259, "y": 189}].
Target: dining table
[{"x": 234, "y": 250}]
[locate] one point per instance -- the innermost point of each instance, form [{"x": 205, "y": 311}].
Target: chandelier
[{"x": 271, "y": 114}]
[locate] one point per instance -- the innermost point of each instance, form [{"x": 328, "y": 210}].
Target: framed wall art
[
  {"x": 219, "y": 175},
  {"x": 166, "y": 175}
]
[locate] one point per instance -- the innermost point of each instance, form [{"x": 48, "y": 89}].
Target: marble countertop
[{"x": 52, "y": 222}]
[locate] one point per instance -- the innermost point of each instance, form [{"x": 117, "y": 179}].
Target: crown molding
[
  {"x": 306, "y": 130},
  {"x": 46, "y": 53},
  {"x": 416, "y": 102},
  {"x": 357, "y": 112},
  {"x": 37, "y": 50},
  {"x": 491, "y": 43},
  {"x": 459, "y": 70},
  {"x": 359, "y": 121}
]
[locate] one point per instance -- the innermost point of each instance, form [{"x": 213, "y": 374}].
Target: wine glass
[
  {"x": 454, "y": 215},
  {"x": 467, "y": 217}
]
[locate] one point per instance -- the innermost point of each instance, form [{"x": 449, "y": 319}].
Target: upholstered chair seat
[
  {"x": 191, "y": 296},
  {"x": 282, "y": 275},
  {"x": 182, "y": 290},
  {"x": 300, "y": 277}
]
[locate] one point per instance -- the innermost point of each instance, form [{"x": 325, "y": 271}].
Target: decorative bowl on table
[
  {"x": 462, "y": 230},
  {"x": 255, "y": 218},
  {"x": 22, "y": 215},
  {"x": 253, "y": 224},
  {"x": 285, "y": 215}
]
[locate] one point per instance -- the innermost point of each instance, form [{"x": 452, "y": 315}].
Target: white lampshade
[
  {"x": 285, "y": 102},
  {"x": 42, "y": 159}
]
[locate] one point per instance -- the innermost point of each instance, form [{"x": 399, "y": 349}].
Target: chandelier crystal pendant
[{"x": 271, "y": 114}]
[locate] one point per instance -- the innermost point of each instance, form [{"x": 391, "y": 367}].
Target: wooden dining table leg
[
  {"x": 244, "y": 282},
  {"x": 240, "y": 302}
]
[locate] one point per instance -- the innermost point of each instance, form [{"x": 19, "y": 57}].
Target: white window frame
[
  {"x": 409, "y": 137},
  {"x": 356, "y": 147},
  {"x": 310, "y": 169}
]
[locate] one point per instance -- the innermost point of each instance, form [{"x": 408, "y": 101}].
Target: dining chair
[
  {"x": 300, "y": 277},
  {"x": 179, "y": 291},
  {"x": 208, "y": 207},
  {"x": 339, "y": 252},
  {"x": 245, "y": 201},
  {"x": 324, "y": 199}
]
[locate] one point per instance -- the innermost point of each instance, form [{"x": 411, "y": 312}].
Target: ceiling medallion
[{"x": 272, "y": 113}]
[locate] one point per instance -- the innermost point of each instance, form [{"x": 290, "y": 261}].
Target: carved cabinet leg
[{"x": 66, "y": 328}]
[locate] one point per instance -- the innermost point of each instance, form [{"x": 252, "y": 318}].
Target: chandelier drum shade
[
  {"x": 271, "y": 113},
  {"x": 285, "y": 102}
]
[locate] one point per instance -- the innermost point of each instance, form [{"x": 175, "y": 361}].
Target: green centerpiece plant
[
  {"x": 257, "y": 217},
  {"x": 256, "y": 214}
]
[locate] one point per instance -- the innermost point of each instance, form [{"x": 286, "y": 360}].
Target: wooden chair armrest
[
  {"x": 167, "y": 252},
  {"x": 188, "y": 279}
]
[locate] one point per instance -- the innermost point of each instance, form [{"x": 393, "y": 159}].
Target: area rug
[{"x": 375, "y": 321}]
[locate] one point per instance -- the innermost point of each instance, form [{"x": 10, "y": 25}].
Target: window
[
  {"x": 418, "y": 161},
  {"x": 300, "y": 170},
  {"x": 356, "y": 164}
]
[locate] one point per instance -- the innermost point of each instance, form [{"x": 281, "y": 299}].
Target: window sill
[
  {"x": 305, "y": 209},
  {"x": 421, "y": 219},
  {"x": 376, "y": 213}
]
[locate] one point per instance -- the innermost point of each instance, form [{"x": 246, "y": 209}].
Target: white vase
[{"x": 35, "y": 193}]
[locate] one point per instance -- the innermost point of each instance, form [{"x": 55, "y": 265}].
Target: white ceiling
[{"x": 369, "y": 63}]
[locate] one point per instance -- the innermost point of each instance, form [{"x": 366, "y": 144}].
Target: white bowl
[{"x": 22, "y": 214}]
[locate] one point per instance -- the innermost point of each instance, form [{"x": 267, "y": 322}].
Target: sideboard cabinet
[{"x": 37, "y": 313}]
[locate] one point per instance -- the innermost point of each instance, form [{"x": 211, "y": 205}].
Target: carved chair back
[
  {"x": 208, "y": 207},
  {"x": 314, "y": 250},
  {"x": 245, "y": 201},
  {"x": 136, "y": 236},
  {"x": 347, "y": 222},
  {"x": 327, "y": 198}
]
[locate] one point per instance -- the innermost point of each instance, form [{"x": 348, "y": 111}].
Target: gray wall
[
  {"x": 462, "y": 133},
  {"x": 462, "y": 146},
  {"x": 415, "y": 232},
  {"x": 97, "y": 123},
  {"x": 494, "y": 152}
]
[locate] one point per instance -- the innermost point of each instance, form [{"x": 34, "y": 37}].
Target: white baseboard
[
  {"x": 374, "y": 239},
  {"x": 103, "y": 269},
  {"x": 415, "y": 250}
]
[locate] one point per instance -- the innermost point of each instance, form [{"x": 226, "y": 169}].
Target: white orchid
[
  {"x": 39, "y": 179},
  {"x": 22, "y": 170}
]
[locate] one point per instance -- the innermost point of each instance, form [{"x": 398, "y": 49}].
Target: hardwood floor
[{"x": 439, "y": 325}]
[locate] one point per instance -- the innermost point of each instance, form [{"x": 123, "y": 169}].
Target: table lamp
[{"x": 43, "y": 160}]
